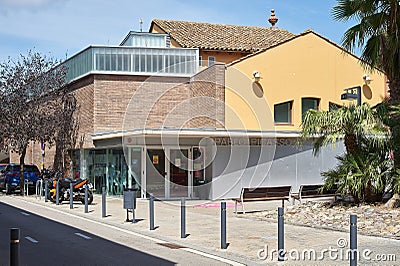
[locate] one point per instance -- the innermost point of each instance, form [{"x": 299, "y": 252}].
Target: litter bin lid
[{"x": 131, "y": 189}]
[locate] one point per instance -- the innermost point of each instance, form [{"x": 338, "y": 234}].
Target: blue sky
[{"x": 63, "y": 27}]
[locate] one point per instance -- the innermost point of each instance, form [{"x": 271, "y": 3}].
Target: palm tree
[
  {"x": 362, "y": 171},
  {"x": 377, "y": 33},
  {"x": 365, "y": 176},
  {"x": 353, "y": 123}
]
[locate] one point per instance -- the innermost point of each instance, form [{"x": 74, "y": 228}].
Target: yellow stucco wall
[
  {"x": 221, "y": 56},
  {"x": 307, "y": 66}
]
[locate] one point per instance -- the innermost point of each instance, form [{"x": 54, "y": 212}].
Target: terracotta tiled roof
[
  {"x": 309, "y": 31},
  {"x": 222, "y": 37}
]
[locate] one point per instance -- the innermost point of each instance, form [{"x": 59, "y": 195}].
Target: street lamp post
[{"x": 352, "y": 93}]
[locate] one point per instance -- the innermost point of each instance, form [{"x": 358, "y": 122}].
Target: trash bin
[{"x": 130, "y": 198}]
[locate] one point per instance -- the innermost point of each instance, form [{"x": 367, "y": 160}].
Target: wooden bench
[
  {"x": 263, "y": 193},
  {"x": 313, "y": 191}
]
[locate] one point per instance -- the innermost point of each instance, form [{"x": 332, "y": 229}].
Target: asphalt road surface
[{"x": 47, "y": 242}]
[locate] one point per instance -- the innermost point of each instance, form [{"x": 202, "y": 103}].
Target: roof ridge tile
[{"x": 222, "y": 36}]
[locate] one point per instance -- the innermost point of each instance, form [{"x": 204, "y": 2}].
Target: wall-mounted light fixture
[
  {"x": 367, "y": 79},
  {"x": 256, "y": 76}
]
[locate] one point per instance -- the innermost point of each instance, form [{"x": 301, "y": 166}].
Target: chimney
[{"x": 272, "y": 19}]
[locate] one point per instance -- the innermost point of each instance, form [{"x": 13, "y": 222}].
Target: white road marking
[
  {"x": 31, "y": 239},
  {"x": 232, "y": 262},
  {"x": 82, "y": 235},
  {"x": 24, "y": 213}
]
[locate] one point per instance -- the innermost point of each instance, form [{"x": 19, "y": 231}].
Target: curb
[{"x": 221, "y": 254}]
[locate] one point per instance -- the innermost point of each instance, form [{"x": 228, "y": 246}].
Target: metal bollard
[
  {"x": 353, "y": 240},
  {"x": 281, "y": 246},
  {"x": 86, "y": 199},
  {"x": 151, "y": 205},
  {"x": 57, "y": 192},
  {"x": 14, "y": 247},
  {"x": 71, "y": 195},
  {"x": 39, "y": 189},
  {"x": 46, "y": 190},
  {"x": 103, "y": 202},
  {"x": 183, "y": 218},
  {"x": 26, "y": 187},
  {"x": 223, "y": 226}
]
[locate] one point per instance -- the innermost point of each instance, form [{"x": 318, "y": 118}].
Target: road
[{"x": 48, "y": 242}]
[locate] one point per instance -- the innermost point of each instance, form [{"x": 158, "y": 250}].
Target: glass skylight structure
[{"x": 133, "y": 59}]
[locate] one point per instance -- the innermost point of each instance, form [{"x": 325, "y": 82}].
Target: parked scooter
[{"x": 78, "y": 192}]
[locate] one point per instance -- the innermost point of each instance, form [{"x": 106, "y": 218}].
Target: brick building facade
[
  {"x": 151, "y": 116},
  {"x": 113, "y": 103}
]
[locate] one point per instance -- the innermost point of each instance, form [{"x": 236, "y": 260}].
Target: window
[
  {"x": 100, "y": 61},
  {"x": 283, "y": 113},
  {"x": 211, "y": 60},
  {"x": 307, "y": 104},
  {"x": 333, "y": 106},
  {"x": 200, "y": 60}
]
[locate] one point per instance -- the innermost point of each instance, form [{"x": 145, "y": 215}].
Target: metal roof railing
[{"x": 132, "y": 61}]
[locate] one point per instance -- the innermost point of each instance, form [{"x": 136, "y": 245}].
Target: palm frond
[
  {"x": 348, "y": 9},
  {"x": 360, "y": 173}
]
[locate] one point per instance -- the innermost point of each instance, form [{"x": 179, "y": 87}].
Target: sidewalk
[{"x": 248, "y": 237}]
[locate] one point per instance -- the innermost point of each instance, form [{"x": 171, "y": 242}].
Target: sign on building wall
[
  {"x": 226, "y": 141},
  {"x": 155, "y": 159}
]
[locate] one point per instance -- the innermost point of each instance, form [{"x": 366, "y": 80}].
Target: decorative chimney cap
[{"x": 273, "y": 19}]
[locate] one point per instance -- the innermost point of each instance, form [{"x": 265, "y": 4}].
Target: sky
[{"x": 61, "y": 28}]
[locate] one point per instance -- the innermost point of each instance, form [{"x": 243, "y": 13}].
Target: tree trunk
[
  {"x": 350, "y": 142},
  {"x": 21, "y": 174},
  {"x": 394, "y": 85},
  {"x": 395, "y": 130},
  {"x": 370, "y": 195},
  {"x": 58, "y": 158},
  {"x": 69, "y": 164},
  {"x": 355, "y": 198}
]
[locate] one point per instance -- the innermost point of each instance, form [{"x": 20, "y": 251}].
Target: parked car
[
  {"x": 2, "y": 166},
  {"x": 10, "y": 177}
]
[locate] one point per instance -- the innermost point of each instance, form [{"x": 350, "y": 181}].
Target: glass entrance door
[
  {"x": 155, "y": 173},
  {"x": 117, "y": 172},
  {"x": 135, "y": 179},
  {"x": 178, "y": 173}
]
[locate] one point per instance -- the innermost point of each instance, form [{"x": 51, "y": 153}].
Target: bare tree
[
  {"x": 66, "y": 132},
  {"x": 30, "y": 103}
]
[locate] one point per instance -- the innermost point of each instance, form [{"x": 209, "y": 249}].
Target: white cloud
[
  {"x": 24, "y": 3},
  {"x": 60, "y": 26},
  {"x": 72, "y": 25},
  {"x": 9, "y": 6}
]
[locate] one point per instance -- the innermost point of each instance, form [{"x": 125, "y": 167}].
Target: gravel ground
[{"x": 374, "y": 220}]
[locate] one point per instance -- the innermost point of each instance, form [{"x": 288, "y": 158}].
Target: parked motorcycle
[{"x": 78, "y": 192}]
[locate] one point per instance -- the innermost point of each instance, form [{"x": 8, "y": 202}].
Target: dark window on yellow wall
[
  {"x": 307, "y": 104},
  {"x": 333, "y": 106},
  {"x": 283, "y": 113}
]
